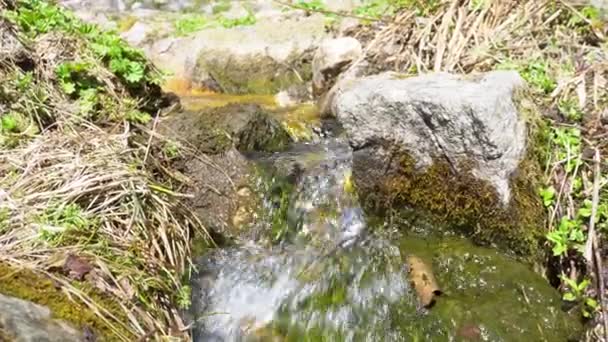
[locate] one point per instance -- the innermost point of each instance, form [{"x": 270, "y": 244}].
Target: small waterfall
[{"x": 335, "y": 278}]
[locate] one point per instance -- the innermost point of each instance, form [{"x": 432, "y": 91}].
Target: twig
[
  {"x": 151, "y": 137},
  {"x": 588, "y": 254},
  {"x": 591, "y": 248}
]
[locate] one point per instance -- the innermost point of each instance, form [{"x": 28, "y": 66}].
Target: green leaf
[
  {"x": 592, "y": 303},
  {"x": 68, "y": 87},
  {"x": 569, "y": 296},
  {"x": 9, "y": 123},
  {"x": 559, "y": 249},
  {"x": 548, "y": 195},
  {"x": 135, "y": 72},
  {"x": 569, "y": 282},
  {"x": 583, "y": 285},
  {"x": 119, "y": 65}
]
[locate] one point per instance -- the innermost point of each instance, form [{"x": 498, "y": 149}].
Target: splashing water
[{"x": 336, "y": 280}]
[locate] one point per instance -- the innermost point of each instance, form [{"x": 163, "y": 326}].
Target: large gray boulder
[
  {"x": 440, "y": 116},
  {"x": 445, "y": 149},
  {"x": 24, "y": 321}
]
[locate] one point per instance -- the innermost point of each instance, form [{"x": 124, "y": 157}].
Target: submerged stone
[
  {"x": 449, "y": 146},
  {"x": 212, "y": 143}
]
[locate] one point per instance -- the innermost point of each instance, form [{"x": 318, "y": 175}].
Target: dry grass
[
  {"x": 73, "y": 186},
  {"x": 132, "y": 230}
]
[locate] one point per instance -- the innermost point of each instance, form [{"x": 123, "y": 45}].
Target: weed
[
  {"x": 576, "y": 293},
  {"x": 311, "y": 5},
  {"x": 548, "y": 195},
  {"x": 188, "y": 24},
  {"x": 570, "y": 110},
  {"x": 8, "y": 123},
  {"x": 183, "y": 297},
  {"x": 536, "y": 72},
  {"x": 247, "y": 20},
  {"x": 568, "y": 144},
  {"x": 568, "y": 235},
  {"x": 59, "y": 221},
  {"x": 171, "y": 149},
  {"x": 80, "y": 78}
]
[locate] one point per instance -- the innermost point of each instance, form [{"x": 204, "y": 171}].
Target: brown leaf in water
[
  {"x": 422, "y": 278},
  {"x": 76, "y": 267},
  {"x": 470, "y": 332}
]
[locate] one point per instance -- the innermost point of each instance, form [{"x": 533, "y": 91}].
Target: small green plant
[
  {"x": 9, "y": 123},
  {"x": 183, "y": 297},
  {"x": 188, "y": 24},
  {"x": 311, "y": 5},
  {"x": 99, "y": 49},
  {"x": 570, "y": 109},
  {"x": 60, "y": 220},
  {"x": 247, "y": 20},
  {"x": 536, "y": 72},
  {"x": 171, "y": 149},
  {"x": 548, "y": 195},
  {"x": 568, "y": 235},
  {"x": 588, "y": 13},
  {"x": 576, "y": 293},
  {"x": 568, "y": 142}
]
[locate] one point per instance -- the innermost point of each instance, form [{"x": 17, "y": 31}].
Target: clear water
[{"x": 337, "y": 279}]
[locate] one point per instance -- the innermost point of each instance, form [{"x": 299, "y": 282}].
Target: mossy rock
[
  {"x": 248, "y": 128},
  {"x": 37, "y": 288},
  {"x": 255, "y": 74},
  {"x": 455, "y": 151},
  {"x": 438, "y": 197}
]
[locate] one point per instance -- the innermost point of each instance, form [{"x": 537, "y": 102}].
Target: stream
[{"x": 331, "y": 274}]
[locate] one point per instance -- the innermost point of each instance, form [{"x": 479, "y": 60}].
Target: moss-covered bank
[{"x": 37, "y": 288}]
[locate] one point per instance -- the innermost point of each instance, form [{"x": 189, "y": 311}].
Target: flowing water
[{"x": 330, "y": 276}]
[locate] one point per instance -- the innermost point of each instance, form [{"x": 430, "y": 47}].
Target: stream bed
[{"x": 329, "y": 275}]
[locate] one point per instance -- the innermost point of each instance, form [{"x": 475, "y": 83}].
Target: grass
[
  {"x": 81, "y": 177},
  {"x": 188, "y": 24}
]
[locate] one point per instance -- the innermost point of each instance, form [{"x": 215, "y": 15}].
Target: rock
[
  {"x": 446, "y": 145},
  {"x": 137, "y": 34},
  {"x": 258, "y": 59},
  {"x": 28, "y": 322},
  {"x": 11, "y": 48},
  {"x": 255, "y": 59},
  {"x": 441, "y": 116},
  {"x": 246, "y": 127},
  {"x": 330, "y": 59},
  {"x": 219, "y": 174}
]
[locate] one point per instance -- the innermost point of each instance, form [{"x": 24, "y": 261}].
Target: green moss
[
  {"x": 470, "y": 205},
  {"x": 464, "y": 203},
  {"x": 36, "y": 288}
]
